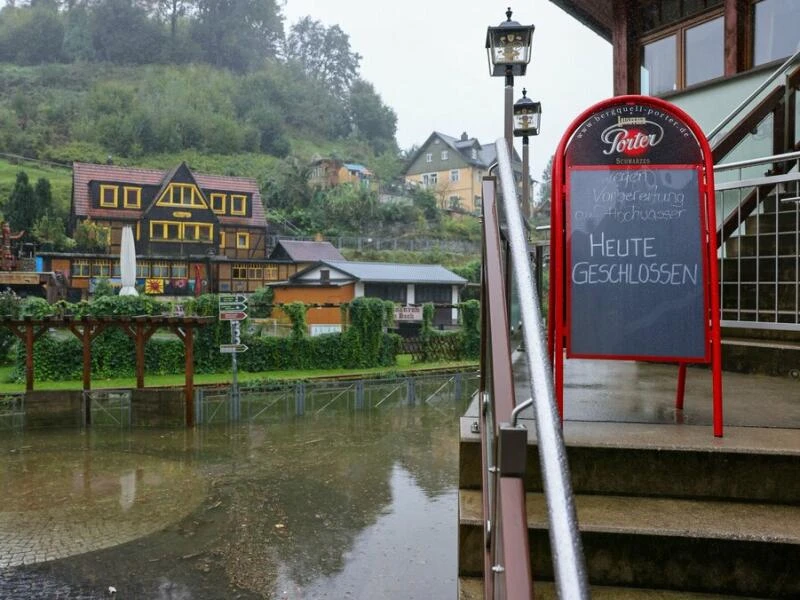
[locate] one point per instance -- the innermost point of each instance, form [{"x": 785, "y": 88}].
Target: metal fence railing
[{"x": 760, "y": 259}]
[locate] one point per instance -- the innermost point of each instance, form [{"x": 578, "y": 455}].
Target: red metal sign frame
[{"x": 559, "y": 297}]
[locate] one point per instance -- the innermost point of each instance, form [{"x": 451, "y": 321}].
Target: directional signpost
[{"x": 233, "y": 308}]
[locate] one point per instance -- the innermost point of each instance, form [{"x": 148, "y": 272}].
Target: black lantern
[
  {"x": 527, "y": 116},
  {"x": 508, "y": 47}
]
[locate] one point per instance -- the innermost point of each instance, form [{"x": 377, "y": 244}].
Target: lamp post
[
  {"x": 527, "y": 117},
  {"x": 508, "y": 48}
]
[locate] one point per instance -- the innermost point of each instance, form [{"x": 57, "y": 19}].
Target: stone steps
[
  {"x": 666, "y": 508},
  {"x": 689, "y": 545}
]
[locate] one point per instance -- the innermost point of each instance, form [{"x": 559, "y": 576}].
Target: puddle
[{"x": 343, "y": 505}]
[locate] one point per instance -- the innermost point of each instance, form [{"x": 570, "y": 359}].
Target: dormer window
[
  {"x": 238, "y": 204},
  {"x": 474, "y": 154},
  {"x": 132, "y": 197},
  {"x": 218, "y": 203},
  {"x": 109, "y": 196}
]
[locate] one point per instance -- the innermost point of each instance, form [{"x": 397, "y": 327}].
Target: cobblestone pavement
[{"x": 59, "y": 506}]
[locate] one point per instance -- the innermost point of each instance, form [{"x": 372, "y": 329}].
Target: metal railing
[
  {"x": 760, "y": 259},
  {"x": 504, "y": 442},
  {"x": 736, "y": 112}
]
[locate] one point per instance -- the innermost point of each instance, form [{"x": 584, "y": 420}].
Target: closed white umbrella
[{"x": 127, "y": 263}]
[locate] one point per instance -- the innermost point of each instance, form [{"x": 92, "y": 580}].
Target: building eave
[{"x": 597, "y": 15}]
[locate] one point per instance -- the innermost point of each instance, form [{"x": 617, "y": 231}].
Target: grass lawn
[{"x": 403, "y": 365}]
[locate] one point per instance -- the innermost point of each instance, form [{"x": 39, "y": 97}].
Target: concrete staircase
[
  {"x": 759, "y": 282},
  {"x": 665, "y": 511}
]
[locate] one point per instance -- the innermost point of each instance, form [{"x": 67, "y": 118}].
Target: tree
[
  {"x": 541, "y": 212},
  {"x": 20, "y": 208},
  {"x": 324, "y": 54},
  {"x": 91, "y": 237},
  {"x": 372, "y": 119},
  {"x": 238, "y": 34},
  {"x": 48, "y": 231},
  {"x": 122, "y": 33}
]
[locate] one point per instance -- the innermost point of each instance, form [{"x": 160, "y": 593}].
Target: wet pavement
[{"x": 347, "y": 504}]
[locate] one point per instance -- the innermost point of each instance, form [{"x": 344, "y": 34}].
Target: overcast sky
[{"x": 426, "y": 58}]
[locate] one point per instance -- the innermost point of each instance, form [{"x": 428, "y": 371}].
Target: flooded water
[{"x": 339, "y": 504}]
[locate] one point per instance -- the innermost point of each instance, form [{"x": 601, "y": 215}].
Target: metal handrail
[
  {"x": 751, "y": 162},
  {"x": 764, "y": 85},
  {"x": 568, "y": 561}
]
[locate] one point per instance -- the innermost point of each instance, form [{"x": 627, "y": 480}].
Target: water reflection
[{"x": 348, "y": 504}]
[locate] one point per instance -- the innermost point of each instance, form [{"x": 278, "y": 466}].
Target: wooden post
[
  {"x": 189, "y": 344},
  {"x": 29, "y": 357},
  {"x": 139, "y": 355},
  {"x": 86, "y": 338}
]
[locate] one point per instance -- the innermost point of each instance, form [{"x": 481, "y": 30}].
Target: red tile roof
[{"x": 84, "y": 173}]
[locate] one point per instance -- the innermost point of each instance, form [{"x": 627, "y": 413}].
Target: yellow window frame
[
  {"x": 241, "y": 201},
  {"x": 218, "y": 202},
  {"x": 132, "y": 197},
  {"x": 159, "y": 270},
  {"x": 222, "y": 240},
  {"x": 101, "y": 268},
  {"x": 114, "y": 189},
  {"x": 255, "y": 272},
  {"x": 179, "y": 270},
  {"x": 239, "y": 272},
  {"x": 242, "y": 241},
  {"x": 271, "y": 273},
  {"x": 168, "y": 198},
  {"x": 79, "y": 268}
]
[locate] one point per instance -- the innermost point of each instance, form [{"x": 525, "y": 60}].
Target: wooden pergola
[{"x": 139, "y": 329}]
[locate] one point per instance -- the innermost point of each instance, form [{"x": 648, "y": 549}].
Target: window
[
  {"x": 197, "y": 232},
  {"x": 160, "y": 269},
  {"x": 439, "y": 294},
  {"x": 132, "y": 197},
  {"x": 444, "y": 154},
  {"x": 165, "y": 231},
  {"x": 429, "y": 179},
  {"x": 429, "y": 157},
  {"x": 238, "y": 204},
  {"x": 108, "y": 196},
  {"x": 775, "y": 30},
  {"x": 454, "y": 175},
  {"x": 181, "y": 194},
  {"x": 396, "y": 292},
  {"x": 218, "y": 203},
  {"x": 705, "y": 54},
  {"x": 80, "y": 268},
  {"x": 689, "y": 54},
  {"x": 255, "y": 272},
  {"x": 656, "y": 14},
  {"x": 180, "y": 270},
  {"x": 271, "y": 273},
  {"x": 243, "y": 240},
  {"x": 101, "y": 268},
  {"x": 455, "y": 201},
  {"x": 170, "y": 231},
  {"x": 142, "y": 270},
  {"x": 239, "y": 272},
  {"x": 116, "y": 270},
  {"x": 474, "y": 154}
]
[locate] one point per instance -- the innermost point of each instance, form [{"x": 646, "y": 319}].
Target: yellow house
[{"x": 452, "y": 168}]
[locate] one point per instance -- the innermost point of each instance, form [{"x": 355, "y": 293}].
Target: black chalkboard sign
[{"x": 635, "y": 269}]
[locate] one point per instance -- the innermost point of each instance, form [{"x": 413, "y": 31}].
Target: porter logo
[{"x": 631, "y": 136}]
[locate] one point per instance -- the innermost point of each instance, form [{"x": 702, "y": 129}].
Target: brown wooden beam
[
  {"x": 623, "y": 50},
  {"x": 735, "y": 36}
]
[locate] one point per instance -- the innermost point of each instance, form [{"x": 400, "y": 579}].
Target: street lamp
[
  {"x": 508, "y": 48},
  {"x": 527, "y": 117}
]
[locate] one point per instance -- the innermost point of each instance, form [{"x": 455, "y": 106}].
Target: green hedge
[{"x": 59, "y": 355}]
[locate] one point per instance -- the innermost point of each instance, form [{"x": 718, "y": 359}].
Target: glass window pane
[
  {"x": 776, "y": 26},
  {"x": 705, "y": 54},
  {"x": 659, "y": 68}
]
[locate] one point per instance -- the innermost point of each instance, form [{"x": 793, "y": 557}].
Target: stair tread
[
  {"x": 761, "y": 343},
  {"x": 661, "y": 516},
  {"x": 471, "y": 588},
  {"x": 655, "y": 436}
]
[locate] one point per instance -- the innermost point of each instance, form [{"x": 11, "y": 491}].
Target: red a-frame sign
[{"x": 633, "y": 270}]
